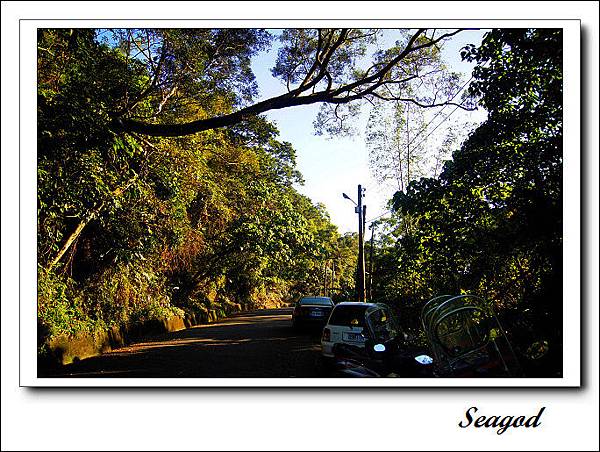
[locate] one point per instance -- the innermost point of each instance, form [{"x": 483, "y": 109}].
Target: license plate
[
  {"x": 316, "y": 313},
  {"x": 353, "y": 337}
]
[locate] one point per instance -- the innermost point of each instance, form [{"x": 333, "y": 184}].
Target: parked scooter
[
  {"x": 464, "y": 334},
  {"x": 377, "y": 359}
]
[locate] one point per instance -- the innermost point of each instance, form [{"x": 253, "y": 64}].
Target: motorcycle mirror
[
  {"x": 379, "y": 348},
  {"x": 424, "y": 359}
]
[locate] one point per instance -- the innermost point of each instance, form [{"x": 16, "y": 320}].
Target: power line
[
  {"x": 427, "y": 136},
  {"x": 389, "y": 173},
  {"x": 440, "y": 111},
  {"x": 435, "y": 128},
  {"x": 379, "y": 216}
]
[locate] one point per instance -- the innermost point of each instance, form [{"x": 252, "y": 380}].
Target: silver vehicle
[{"x": 347, "y": 323}]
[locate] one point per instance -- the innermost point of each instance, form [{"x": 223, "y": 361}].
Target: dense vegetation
[
  {"x": 133, "y": 228},
  {"x": 140, "y": 218},
  {"x": 491, "y": 223}
]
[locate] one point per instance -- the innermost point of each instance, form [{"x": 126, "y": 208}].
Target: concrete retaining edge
[{"x": 65, "y": 349}]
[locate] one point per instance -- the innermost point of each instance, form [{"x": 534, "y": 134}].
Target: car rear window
[
  {"x": 315, "y": 300},
  {"x": 348, "y": 316}
]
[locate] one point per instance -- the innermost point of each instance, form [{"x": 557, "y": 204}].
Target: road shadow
[{"x": 260, "y": 344}]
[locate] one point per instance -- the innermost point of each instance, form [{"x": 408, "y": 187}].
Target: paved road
[{"x": 256, "y": 344}]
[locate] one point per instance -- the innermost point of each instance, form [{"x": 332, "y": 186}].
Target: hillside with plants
[{"x": 134, "y": 228}]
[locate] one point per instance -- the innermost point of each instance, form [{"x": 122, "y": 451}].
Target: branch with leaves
[{"x": 323, "y": 65}]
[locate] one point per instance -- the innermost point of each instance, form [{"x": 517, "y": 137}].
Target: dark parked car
[{"x": 311, "y": 311}]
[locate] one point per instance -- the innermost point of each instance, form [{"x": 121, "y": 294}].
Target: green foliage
[
  {"x": 127, "y": 293},
  {"x": 156, "y": 227},
  {"x": 342, "y": 66},
  {"x": 491, "y": 223},
  {"x": 60, "y": 307}
]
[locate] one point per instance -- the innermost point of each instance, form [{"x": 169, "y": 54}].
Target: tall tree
[
  {"x": 394, "y": 153},
  {"x": 132, "y": 228}
]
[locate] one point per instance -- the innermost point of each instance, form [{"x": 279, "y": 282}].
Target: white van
[{"x": 346, "y": 324}]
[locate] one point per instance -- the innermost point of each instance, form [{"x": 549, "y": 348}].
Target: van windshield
[{"x": 348, "y": 316}]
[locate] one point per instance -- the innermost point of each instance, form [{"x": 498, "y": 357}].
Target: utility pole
[
  {"x": 360, "y": 267},
  {"x": 361, "y": 210},
  {"x": 325, "y": 278},
  {"x": 370, "y": 291},
  {"x": 332, "y": 276}
]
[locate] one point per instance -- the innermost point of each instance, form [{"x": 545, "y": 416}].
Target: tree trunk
[
  {"x": 76, "y": 233},
  {"x": 89, "y": 217},
  {"x": 407, "y": 145}
]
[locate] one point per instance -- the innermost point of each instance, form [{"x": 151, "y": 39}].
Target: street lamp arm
[{"x": 349, "y": 198}]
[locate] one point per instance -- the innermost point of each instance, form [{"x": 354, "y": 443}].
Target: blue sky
[{"x": 333, "y": 166}]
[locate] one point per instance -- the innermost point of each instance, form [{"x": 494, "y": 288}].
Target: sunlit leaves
[
  {"x": 491, "y": 223},
  {"x": 199, "y": 222}
]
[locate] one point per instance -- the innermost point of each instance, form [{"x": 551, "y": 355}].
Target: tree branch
[{"x": 326, "y": 48}]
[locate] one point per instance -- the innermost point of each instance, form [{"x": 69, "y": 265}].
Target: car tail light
[{"x": 326, "y": 335}]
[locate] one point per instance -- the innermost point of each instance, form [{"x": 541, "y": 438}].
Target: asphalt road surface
[{"x": 254, "y": 344}]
